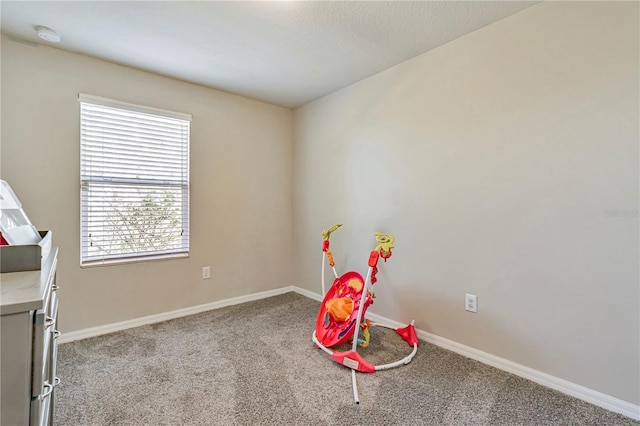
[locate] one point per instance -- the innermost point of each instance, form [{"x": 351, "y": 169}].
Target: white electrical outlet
[
  {"x": 206, "y": 272},
  {"x": 471, "y": 302}
]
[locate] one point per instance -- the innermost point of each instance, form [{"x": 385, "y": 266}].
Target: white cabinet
[{"x": 28, "y": 325}]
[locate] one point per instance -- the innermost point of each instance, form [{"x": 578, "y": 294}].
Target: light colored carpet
[{"x": 255, "y": 364}]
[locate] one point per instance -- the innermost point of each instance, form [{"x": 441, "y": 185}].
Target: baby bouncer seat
[{"x": 341, "y": 316}]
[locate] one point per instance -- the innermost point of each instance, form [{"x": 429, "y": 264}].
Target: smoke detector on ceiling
[{"x": 48, "y": 34}]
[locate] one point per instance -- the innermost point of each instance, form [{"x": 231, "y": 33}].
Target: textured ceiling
[{"x": 286, "y": 53}]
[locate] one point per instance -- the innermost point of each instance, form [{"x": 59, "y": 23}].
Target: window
[{"x": 134, "y": 179}]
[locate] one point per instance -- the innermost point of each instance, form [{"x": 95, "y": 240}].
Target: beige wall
[
  {"x": 495, "y": 161},
  {"x": 241, "y": 179}
]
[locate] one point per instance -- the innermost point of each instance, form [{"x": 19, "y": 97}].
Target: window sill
[{"x": 128, "y": 260}]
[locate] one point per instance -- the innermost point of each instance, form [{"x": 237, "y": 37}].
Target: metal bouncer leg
[
  {"x": 356, "y": 333},
  {"x": 354, "y": 385},
  {"x": 356, "y": 398},
  {"x": 354, "y": 345}
]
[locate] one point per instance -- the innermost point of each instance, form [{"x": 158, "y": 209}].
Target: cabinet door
[{"x": 15, "y": 366}]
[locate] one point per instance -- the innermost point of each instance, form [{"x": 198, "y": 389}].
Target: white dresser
[{"x": 28, "y": 323}]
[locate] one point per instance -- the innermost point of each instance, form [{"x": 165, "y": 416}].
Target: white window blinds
[{"x": 134, "y": 176}]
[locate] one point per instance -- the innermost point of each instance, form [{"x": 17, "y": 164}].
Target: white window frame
[{"x": 101, "y": 173}]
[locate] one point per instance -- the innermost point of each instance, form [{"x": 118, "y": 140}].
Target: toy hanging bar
[{"x": 341, "y": 315}]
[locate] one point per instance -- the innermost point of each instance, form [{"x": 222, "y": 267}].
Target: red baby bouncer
[{"x": 341, "y": 316}]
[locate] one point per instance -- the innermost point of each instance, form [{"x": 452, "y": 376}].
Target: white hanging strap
[{"x": 322, "y": 274}]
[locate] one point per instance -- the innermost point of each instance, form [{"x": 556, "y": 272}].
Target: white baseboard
[
  {"x": 307, "y": 293},
  {"x": 137, "y": 322},
  {"x": 589, "y": 395}
]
